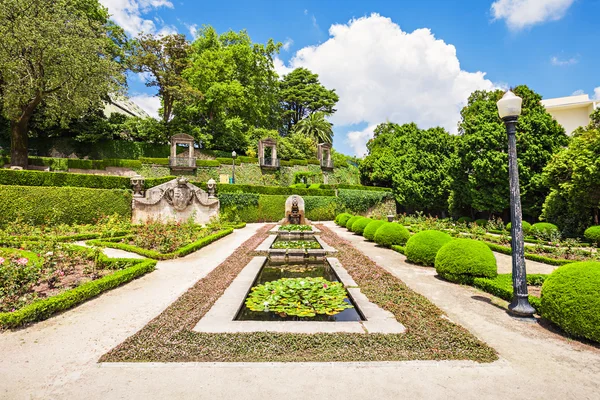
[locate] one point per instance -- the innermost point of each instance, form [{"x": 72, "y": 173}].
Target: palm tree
[{"x": 316, "y": 126}]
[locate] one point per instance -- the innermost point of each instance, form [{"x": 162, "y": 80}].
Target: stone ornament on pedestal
[
  {"x": 211, "y": 185},
  {"x": 294, "y": 211},
  {"x": 137, "y": 185},
  {"x": 176, "y": 200}
]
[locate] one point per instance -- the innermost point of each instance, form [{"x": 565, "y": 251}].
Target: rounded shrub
[
  {"x": 359, "y": 226},
  {"x": 351, "y": 221},
  {"x": 481, "y": 222},
  {"x": 571, "y": 299},
  {"x": 369, "y": 231},
  {"x": 526, "y": 227},
  {"x": 461, "y": 260},
  {"x": 593, "y": 234},
  {"x": 544, "y": 230},
  {"x": 464, "y": 220},
  {"x": 342, "y": 218},
  {"x": 390, "y": 234},
  {"x": 423, "y": 246}
]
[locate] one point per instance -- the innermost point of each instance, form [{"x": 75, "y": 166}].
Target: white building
[
  {"x": 123, "y": 105},
  {"x": 571, "y": 111}
]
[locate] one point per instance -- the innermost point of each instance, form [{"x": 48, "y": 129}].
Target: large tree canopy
[
  {"x": 56, "y": 54},
  {"x": 317, "y": 127},
  {"x": 413, "y": 161},
  {"x": 480, "y": 164},
  {"x": 301, "y": 94},
  {"x": 574, "y": 176},
  {"x": 239, "y": 86}
]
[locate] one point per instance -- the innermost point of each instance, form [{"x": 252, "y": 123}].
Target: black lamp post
[
  {"x": 233, "y": 156},
  {"x": 509, "y": 109}
]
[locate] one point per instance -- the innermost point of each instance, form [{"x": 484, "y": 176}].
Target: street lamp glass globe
[
  {"x": 233, "y": 154},
  {"x": 509, "y": 105}
]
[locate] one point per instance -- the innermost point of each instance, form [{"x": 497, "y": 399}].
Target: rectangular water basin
[
  {"x": 272, "y": 271},
  {"x": 305, "y": 242}
]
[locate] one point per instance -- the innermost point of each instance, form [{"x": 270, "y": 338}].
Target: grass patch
[{"x": 169, "y": 337}]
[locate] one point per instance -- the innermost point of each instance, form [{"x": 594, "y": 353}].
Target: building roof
[
  {"x": 582, "y": 100},
  {"x": 123, "y": 105}
]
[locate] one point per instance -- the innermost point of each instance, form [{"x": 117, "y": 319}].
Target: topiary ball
[
  {"x": 369, "y": 231},
  {"x": 351, "y": 221},
  {"x": 544, "y": 230},
  {"x": 571, "y": 299},
  {"x": 342, "y": 219},
  {"x": 461, "y": 260},
  {"x": 481, "y": 222},
  {"x": 526, "y": 227},
  {"x": 359, "y": 226},
  {"x": 391, "y": 233},
  {"x": 593, "y": 234},
  {"x": 464, "y": 220},
  {"x": 422, "y": 247}
]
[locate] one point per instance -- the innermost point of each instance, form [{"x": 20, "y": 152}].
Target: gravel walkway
[{"x": 57, "y": 358}]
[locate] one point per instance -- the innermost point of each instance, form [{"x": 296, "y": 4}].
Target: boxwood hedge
[
  {"x": 342, "y": 219},
  {"x": 544, "y": 230},
  {"x": 351, "y": 222},
  {"x": 423, "y": 246},
  {"x": 593, "y": 234},
  {"x": 526, "y": 227},
  {"x": 571, "y": 299},
  {"x": 461, "y": 260},
  {"x": 359, "y": 226},
  {"x": 390, "y": 234},
  {"x": 371, "y": 228}
]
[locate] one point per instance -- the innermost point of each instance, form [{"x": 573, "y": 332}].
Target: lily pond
[{"x": 303, "y": 291}]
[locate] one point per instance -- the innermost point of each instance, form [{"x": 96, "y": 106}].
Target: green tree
[
  {"x": 239, "y": 87},
  {"x": 56, "y": 54},
  {"x": 301, "y": 94},
  {"x": 413, "y": 161},
  {"x": 163, "y": 60},
  {"x": 479, "y": 168},
  {"x": 574, "y": 177},
  {"x": 317, "y": 127}
]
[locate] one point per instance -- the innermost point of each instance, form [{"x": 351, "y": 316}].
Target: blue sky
[{"x": 398, "y": 60}]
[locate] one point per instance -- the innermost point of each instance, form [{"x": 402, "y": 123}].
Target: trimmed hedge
[
  {"x": 359, "y": 226},
  {"x": 182, "y": 251},
  {"x": 391, "y": 233},
  {"x": 593, "y": 234},
  {"x": 268, "y": 190},
  {"x": 481, "y": 222},
  {"x": 423, "y": 246},
  {"x": 464, "y": 220},
  {"x": 501, "y": 286},
  {"x": 461, "y": 260},
  {"x": 56, "y": 205},
  {"x": 361, "y": 200},
  {"x": 571, "y": 299},
  {"x": 342, "y": 219},
  {"x": 45, "y": 308},
  {"x": 321, "y": 208},
  {"x": 356, "y": 187},
  {"x": 526, "y": 227},
  {"x": 371, "y": 228},
  {"x": 351, "y": 221},
  {"x": 42, "y": 178},
  {"x": 543, "y": 230}
]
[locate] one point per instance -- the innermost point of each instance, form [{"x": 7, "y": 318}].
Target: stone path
[{"x": 57, "y": 358}]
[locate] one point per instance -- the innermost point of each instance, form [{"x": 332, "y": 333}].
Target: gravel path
[{"x": 57, "y": 358}]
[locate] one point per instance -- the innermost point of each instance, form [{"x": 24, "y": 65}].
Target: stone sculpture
[{"x": 294, "y": 211}]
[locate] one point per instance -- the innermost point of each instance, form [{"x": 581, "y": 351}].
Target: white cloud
[
  {"x": 287, "y": 44},
  {"x": 193, "y": 29},
  {"x": 520, "y": 14},
  {"x": 144, "y": 76},
  {"x": 382, "y": 73},
  {"x": 166, "y": 30},
  {"x": 563, "y": 63},
  {"x": 597, "y": 93},
  {"x": 578, "y": 92},
  {"x": 148, "y": 103},
  {"x": 129, "y": 13},
  {"x": 280, "y": 67}
]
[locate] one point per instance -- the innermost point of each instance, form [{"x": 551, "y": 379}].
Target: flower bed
[
  {"x": 295, "y": 228},
  {"x": 296, "y": 244},
  {"x": 34, "y": 287}
]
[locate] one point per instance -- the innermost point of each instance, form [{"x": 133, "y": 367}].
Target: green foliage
[
  {"x": 356, "y": 187},
  {"x": 351, "y": 221},
  {"x": 316, "y": 127},
  {"x": 321, "y": 208},
  {"x": 390, "y": 234},
  {"x": 361, "y": 200},
  {"x": 100, "y": 150},
  {"x": 464, "y": 220},
  {"x": 371, "y": 228},
  {"x": 530, "y": 256},
  {"x": 526, "y": 227},
  {"x": 301, "y": 95},
  {"x": 342, "y": 219},
  {"x": 502, "y": 286},
  {"x": 461, "y": 260},
  {"x": 544, "y": 230},
  {"x": 593, "y": 234},
  {"x": 359, "y": 226},
  {"x": 481, "y": 222},
  {"x": 45, "y": 308},
  {"x": 41, "y": 178},
  {"x": 295, "y": 227},
  {"x": 413, "y": 161},
  {"x": 296, "y": 244},
  {"x": 423, "y": 246},
  {"x": 302, "y": 297},
  {"x": 571, "y": 299},
  {"x": 159, "y": 161},
  {"x": 68, "y": 205},
  {"x": 479, "y": 166},
  {"x": 574, "y": 176},
  {"x": 268, "y": 190},
  {"x": 240, "y": 200}
]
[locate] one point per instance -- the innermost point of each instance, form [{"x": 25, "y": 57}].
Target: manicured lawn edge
[
  {"x": 182, "y": 251},
  {"x": 501, "y": 286},
  {"x": 43, "y": 309}
]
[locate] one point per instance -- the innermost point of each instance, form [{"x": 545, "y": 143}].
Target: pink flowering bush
[{"x": 18, "y": 276}]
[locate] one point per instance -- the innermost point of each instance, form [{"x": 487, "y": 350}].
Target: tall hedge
[{"x": 55, "y": 205}]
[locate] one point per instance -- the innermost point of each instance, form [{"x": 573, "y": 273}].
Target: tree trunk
[
  {"x": 18, "y": 143},
  {"x": 596, "y": 217}
]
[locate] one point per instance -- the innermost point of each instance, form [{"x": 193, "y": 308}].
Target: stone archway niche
[
  {"x": 268, "y": 162},
  {"x": 184, "y": 161}
]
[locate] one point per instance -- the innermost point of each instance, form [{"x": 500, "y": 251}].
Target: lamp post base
[{"x": 520, "y": 307}]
